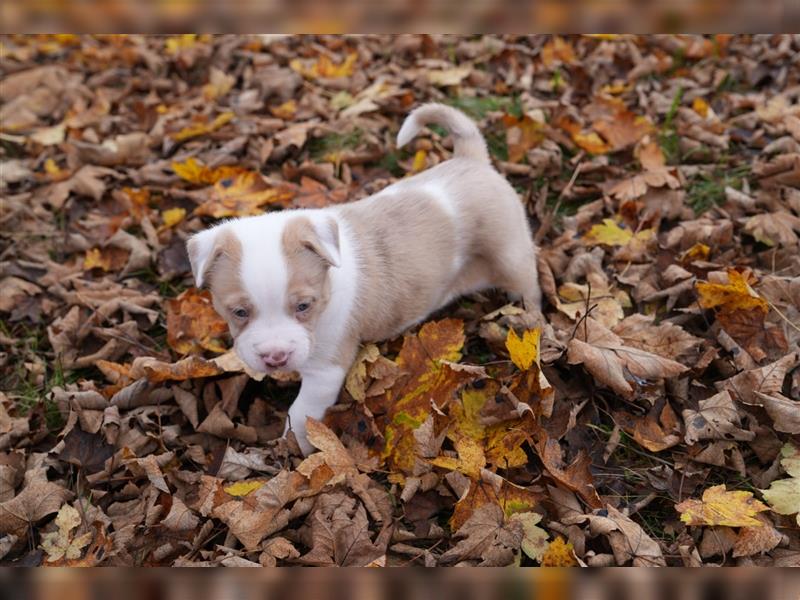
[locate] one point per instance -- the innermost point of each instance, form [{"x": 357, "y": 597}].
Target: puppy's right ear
[{"x": 200, "y": 248}]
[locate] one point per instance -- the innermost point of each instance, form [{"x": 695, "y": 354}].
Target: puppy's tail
[{"x": 467, "y": 139}]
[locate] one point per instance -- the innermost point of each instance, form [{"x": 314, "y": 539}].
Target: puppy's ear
[
  {"x": 201, "y": 248},
  {"x": 322, "y": 238}
]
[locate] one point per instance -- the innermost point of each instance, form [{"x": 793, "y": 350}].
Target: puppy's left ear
[
  {"x": 200, "y": 248},
  {"x": 324, "y": 241}
]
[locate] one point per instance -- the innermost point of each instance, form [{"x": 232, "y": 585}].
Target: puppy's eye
[
  {"x": 240, "y": 313},
  {"x": 303, "y": 306}
]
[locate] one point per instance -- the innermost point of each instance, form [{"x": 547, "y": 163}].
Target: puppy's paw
[{"x": 297, "y": 439}]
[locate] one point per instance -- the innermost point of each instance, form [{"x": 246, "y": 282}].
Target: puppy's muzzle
[{"x": 275, "y": 359}]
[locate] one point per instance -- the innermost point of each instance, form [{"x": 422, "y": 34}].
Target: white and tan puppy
[{"x": 301, "y": 289}]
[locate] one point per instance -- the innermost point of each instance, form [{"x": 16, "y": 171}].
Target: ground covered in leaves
[{"x": 654, "y": 420}]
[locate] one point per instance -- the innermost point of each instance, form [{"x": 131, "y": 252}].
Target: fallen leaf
[
  {"x": 614, "y": 364},
  {"x": 783, "y": 495},
  {"x": 721, "y": 507},
  {"x": 61, "y": 544},
  {"x": 202, "y": 127},
  {"x": 242, "y": 195},
  {"x": 610, "y": 233},
  {"x": 193, "y": 325},
  {"x": 559, "y": 554},
  {"x": 524, "y": 352},
  {"x": 715, "y": 419}
]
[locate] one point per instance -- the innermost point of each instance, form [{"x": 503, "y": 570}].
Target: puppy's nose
[{"x": 275, "y": 358}]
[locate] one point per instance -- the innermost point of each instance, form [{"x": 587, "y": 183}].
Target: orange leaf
[
  {"x": 193, "y": 325},
  {"x": 244, "y": 194}
]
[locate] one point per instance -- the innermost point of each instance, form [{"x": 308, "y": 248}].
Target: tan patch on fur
[
  {"x": 307, "y": 266},
  {"x": 223, "y": 277}
]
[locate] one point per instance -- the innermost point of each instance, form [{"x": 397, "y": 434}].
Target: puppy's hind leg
[{"x": 518, "y": 275}]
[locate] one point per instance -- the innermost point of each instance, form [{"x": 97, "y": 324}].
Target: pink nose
[{"x": 275, "y": 358}]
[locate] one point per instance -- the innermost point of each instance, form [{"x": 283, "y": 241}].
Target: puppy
[{"x": 301, "y": 289}]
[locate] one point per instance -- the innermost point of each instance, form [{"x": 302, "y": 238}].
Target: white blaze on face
[{"x": 264, "y": 275}]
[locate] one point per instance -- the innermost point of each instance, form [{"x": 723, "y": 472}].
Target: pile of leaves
[{"x": 653, "y": 420}]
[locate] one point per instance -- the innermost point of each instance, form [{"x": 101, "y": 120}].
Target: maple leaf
[
  {"x": 559, "y": 554},
  {"x": 557, "y": 51},
  {"x": 614, "y": 364},
  {"x": 715, "y": 419},
  {"x": 783, "y": 495},
  {"x": 534, "y": 539},
  {"x": 606, "y": 304},
  {"x": 722, "y": 507},
  {"x": 487, "y": 538},
  {"x": 243, "y": 194},
  {"x": 325, "y": 67},
  {"x": 609, "y": 233},
  {"x": 522, "y": 134},
  {"x": 471, "y": 458},
  {"x": 429, "y": 378},
  {"x": 193, "y": 171},
  {"x": 193, "y": 325},
  {"x": 61, "y": 544},
  {"x": 736, "y": 294}
]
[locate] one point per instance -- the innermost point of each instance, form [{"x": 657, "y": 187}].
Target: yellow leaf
[
  {"x": 175, "y": 44},
  {"x": 94, "y": 259},
  {"x": 698, "y": 251},
  {"x": 194, "y": 171},
  {"x": 524, "y": 352},
  {"x": 325, "y": 67},
  {"x": 591, "y": 142},
  {"x": 173, "y": 216},
  {"x": 721, "y": 507},
  {"x": 242, "y": 488},
  {"x": 734, "y": 295},
  {"x": 700, "y": 106},
  {"x": 471, "y": 458},
  {"x": 522, "y": 135},
  {"x": 242, "y": 195},
  {"x": 202, "y": 128},
  {"x": 559, "y": 554},
  {"x": 610, "y": 233},
  {"x": 609, "y": 37},
  {"x": 52, "y": 168},
  {"x": 286, "y": 110},
  {"x": 419, "y": 161}
]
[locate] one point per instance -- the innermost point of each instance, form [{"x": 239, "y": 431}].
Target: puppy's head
[{"x": 269, "y": 279}]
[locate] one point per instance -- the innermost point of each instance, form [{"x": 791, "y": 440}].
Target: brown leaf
[
  {"x": 613, "y": 363},
  {"x": 715, "y": 419},
  {"x": 38, "y": 499},
  {"x": 486, "y": 538}
]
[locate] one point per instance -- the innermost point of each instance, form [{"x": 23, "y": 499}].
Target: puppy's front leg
[{"x": 319, "y": 391}]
